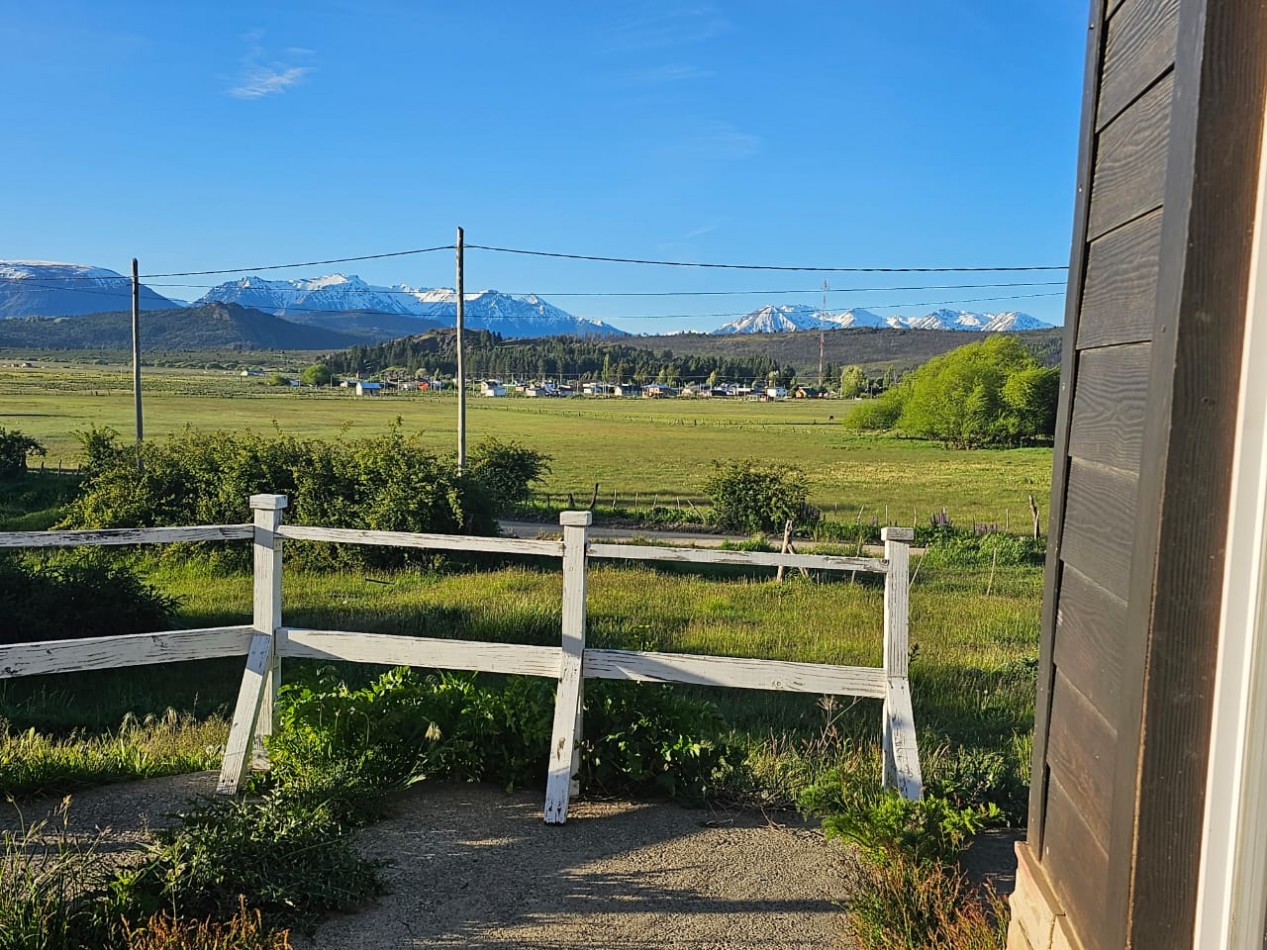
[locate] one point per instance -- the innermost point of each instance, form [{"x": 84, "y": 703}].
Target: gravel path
[{"x": 473, "y": 866}]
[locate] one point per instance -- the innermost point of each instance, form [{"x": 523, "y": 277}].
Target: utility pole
[
  {"x": 821, "y": 339},
  {"x": 461, "y": 315},
  {"x": 136, "y": 359}
]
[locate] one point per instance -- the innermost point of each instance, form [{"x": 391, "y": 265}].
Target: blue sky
[{"x": 214, "y": 135}]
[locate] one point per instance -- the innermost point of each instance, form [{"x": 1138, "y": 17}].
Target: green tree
[
  {"x": 15, "y": 446},
  {"x": 991, "y": 393},
  {"x": 853, "y": 382},
  {"x": 318, "y": 374}
]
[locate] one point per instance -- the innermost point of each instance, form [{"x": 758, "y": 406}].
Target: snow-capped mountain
[
  {"x": 509, "y": 315},
  {"x": 784, "y": 318},
  {"x": 332, "y": 293},
  {"x": 51, "y": 289},
  {"x": 788, "y": 318},
  {"x": 855, "y": 318}
]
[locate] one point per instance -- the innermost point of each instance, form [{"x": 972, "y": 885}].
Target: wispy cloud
[
  {"x": 678, "y": 26},
  {"x": 658, "y": 75},
  {"x": 719, "y": 140},
  {"x": 263, "y": 76}
]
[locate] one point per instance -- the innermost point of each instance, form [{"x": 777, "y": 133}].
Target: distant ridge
[{"x": 206, "y": 327}]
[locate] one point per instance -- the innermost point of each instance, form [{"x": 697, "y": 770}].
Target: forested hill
[
  {"x": 214, "y": 326},
  {"x": 687, "y": 357}
]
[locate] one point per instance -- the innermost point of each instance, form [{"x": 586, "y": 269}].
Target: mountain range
[
  {"x": 47, "y": 289},
  {"x": 347, "y": 306},
  {"x": 789, "y": 318},
  {"x": 507, "y": 314}
]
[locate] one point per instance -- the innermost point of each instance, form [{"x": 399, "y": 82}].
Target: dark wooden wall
[{"x": 1151, "y": 362}]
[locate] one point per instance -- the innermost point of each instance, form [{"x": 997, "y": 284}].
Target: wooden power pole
[
  {"x": 136, "y": 359},
  {"x": 461, "y": 381}
]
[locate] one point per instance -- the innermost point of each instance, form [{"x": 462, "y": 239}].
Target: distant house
[
  {"x": 368, "y": 389},
  {"x": 776, "y": 392},
  {"x": 658, "y": 391},
  {"x": 598, "y": 389},
  {"x": 808, "y": 392},
  {"x": 492, "y": 387},
  {"x": 535, "y": 391},
  {"x": 628, "y": 390}
]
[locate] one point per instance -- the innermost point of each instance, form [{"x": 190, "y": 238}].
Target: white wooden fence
[{"x": 267, "y": 640}]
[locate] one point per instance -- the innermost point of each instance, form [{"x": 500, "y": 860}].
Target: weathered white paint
[
  {"x": 237, "y": 752},
  {"x": 815, "y": 562},
  {"x": 897, "y": 586},
  {"x": 439, "y": 542},
  {"x": 106, "y": 536},
  {"x": 901, "y": 753},
  {"x": 134, "y": 649},
  {"x": 267, "y": 601},
  {"x": 735, "y": 672},
  {"x": 1232, "y": 882},
  {"x": 429, "y": 652},
  {"x": 564, "y": 762}
]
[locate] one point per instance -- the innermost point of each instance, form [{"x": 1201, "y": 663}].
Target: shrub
[
  {"x": 318, "y": 374},
  {"x": 751, "y": 496},
  {"x": 390, "y": 482},
  {"x": 506, "y": 471},
  {"x": 15, "y": 446},
  {"x": 648, "y": 737},
  {"x": 289, "y": 858},
  {"x": 907, "y": 905},
  {"x": 244, "y": 931},
  {"x": 344, "y": 748},
  {"x": 84, "y": 594}
]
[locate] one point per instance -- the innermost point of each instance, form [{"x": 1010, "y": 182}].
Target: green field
[{"x": 644, "y": 451}]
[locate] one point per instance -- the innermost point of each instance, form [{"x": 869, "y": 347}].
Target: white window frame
[{"x": 1232, "y": 886}]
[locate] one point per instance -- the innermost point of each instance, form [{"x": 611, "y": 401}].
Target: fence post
[
  {"x": 901, "y": 754},
  {"x": 253, "y": 713},
  {"x": 565, "y": 754}
]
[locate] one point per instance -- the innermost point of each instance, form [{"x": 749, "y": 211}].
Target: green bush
[
  {"x": 752, "y": 496},
  {"x": 390, "y": 482},
  {"x": 346, "y": 747},
  {"x": 289, "y": 858},
  {"x": 83, "y": 594},
  {"x": 15, "y": 446}
]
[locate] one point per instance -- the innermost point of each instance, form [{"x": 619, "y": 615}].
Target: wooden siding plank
[
  {"x": 1077, "y": 867},
  {"x": 1139, "y": 47},
  {"x": 1090, "y": 624},
  {"x": 1110, "y": 405},
  {"x": 1064, "y": 412},
  {"x": 1130, "y": 166},
  {"x": 813, "y": 562},
  {"x": 736, "y": 672},
  {"x": 1119, "y": 301},
  {"x": 1080, "y": 753},
  {"x": 1099, "y": 526},
  {"x": 133, "y": 649}
]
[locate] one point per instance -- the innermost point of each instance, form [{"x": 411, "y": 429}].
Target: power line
[
  {"x": 242, "y": 270},
  {"x": 769, "y": 267},
  {"x": 655, "y": 293}
]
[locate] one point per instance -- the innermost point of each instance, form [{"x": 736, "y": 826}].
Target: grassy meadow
[
  {"x": 644, "y": 451},
  {"x": 974, "y": 629}
]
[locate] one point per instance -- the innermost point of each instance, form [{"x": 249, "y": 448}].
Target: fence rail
[{"x": 267, "y": 640}]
